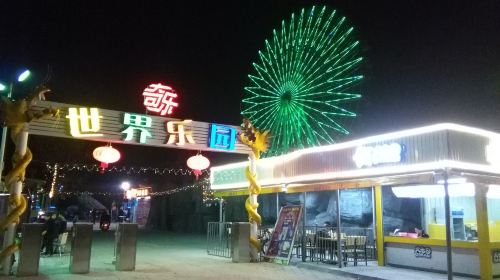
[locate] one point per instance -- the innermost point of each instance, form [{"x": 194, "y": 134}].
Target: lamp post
[
  {"x": 16, "y": 188},
  {"x": 21, "y": 78}
]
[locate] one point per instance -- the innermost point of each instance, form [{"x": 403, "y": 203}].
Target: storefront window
[
  {"x": 494, "y": 212},
  {"x": 419, "y": 211}
]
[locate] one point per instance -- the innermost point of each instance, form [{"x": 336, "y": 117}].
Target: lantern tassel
[
  {"x": 103, "y": 167},
  {"x": 197, "y": 173}
]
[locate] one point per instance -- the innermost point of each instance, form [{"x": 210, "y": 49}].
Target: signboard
[
  {"x": 159, "y": 99},
  {"x": 496, "y": 256},
  {"x": 423, "y": 252},
  {"x": 283, "y": 237},
  {"x": 96, "y": 124},
  {"x": 142, "y": 211},
  {"x": 367, "y": 156}
]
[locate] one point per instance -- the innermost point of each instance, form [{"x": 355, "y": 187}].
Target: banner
[
  {"x": 142, "y": 211},
  {"x": 283, "y": 237}
]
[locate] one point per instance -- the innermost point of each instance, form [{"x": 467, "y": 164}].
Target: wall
[{"x": 182, "y": 212}]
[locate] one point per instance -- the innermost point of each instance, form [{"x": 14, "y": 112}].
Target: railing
[
  {"x": 319, "y": 244},
  {"x": 219, "y": 239},
  {"x": 357, "y": 245}
]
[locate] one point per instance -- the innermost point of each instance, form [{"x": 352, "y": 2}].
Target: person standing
[{"x": 50, "y": 233}]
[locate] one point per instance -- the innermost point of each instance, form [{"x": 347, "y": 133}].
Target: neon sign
[
  {"x": 369, "y": 156},
  {"x": 159, "y": 99},
  {"x": 137, "y": 122},
  {"x": 85, "y": 124},
  {"x": 180, "y": 133},
  {"x": 117, "y": 127},
  {"x": 222, "y": 137},
  {"x": 137, "y": 193}
]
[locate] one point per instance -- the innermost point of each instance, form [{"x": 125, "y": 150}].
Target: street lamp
[
  {"x": 24, "y": 75},
  {"x": 21, "y": 78},
  {"x": 125, "y": 186}
]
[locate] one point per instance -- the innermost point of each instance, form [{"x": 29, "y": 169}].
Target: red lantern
[
  {"x": 106, "y": 155},
  {"x": 198, "y": 163}
]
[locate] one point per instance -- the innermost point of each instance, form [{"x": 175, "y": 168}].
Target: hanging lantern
[
  {"x": 106, "y": 155},
  {"x": 198, "y": 163}
]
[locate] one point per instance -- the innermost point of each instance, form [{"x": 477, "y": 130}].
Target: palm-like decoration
[{"x": 302, "y": 86}]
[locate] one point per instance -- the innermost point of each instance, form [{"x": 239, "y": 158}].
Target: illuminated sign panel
[
  {"x": 130, "y": 128},
  {"x": 84, "y": 122},
  {"x": 137, "y": 193},
  {"x": 177, "y": 132},
  {"x": 367, "y": 156},
  {"x": 159, "y": 99},
  {"x": 137, "y": 122},
  {"x": 222, "y": 137},
  {"x": 492, "y": 151}
]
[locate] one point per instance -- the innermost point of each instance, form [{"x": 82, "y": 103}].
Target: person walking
[{"x": 50, "y": 233}]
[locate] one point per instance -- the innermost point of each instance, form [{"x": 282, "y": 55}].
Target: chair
[
  {"x": 354, "y": 248},
  {"x": 349, "y": 250},
  {"x": 60, "y": 243},
  {"x": 360, "y": 242},
  {"x": 311, "y": 245}
]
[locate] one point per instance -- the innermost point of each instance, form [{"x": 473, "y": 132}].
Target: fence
[
  {"x": 320, "y": 243},
  {"x": 357, "y": 245},
  {"x": 219, "y": 239}
]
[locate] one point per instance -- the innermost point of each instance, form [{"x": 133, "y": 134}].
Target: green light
[
  {"x": 301, "y": 88},
  {"x": 24, "y": 75},
  {"x": 2, "y": 87}
]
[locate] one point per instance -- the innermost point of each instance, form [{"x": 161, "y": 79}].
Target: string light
[
  {"x": 160, "y": 193},
  {"x": 54, "y": 180},
  {"x": 128, "y": 170},
  {"x": 208, "y": 195}
]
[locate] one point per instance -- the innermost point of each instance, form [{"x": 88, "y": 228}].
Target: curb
[{"x": 335, "y": 271}]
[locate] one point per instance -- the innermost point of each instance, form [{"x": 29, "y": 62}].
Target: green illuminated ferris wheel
[{"x": 302, "y": 87}]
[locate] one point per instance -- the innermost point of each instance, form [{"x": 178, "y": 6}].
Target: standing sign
[
  {"x": 142, "y": 211},
  {"x": 283, "y": 237}
]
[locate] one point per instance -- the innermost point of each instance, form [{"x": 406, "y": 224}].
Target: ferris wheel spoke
[{"x": 301, "y": 87}]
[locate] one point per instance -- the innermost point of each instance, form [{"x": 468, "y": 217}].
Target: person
[
  {"x": 325, "y": 231},
  {"x": 50, "y": 233},
  {"x": 105, "y": 218},
  {"x": 323, "y": 240},
  {"x": 421, "y": 233},
  {"x": 93, "y": 215},
  {"x": 61, "y": 223},
  {"x": 121, "y": 215}
]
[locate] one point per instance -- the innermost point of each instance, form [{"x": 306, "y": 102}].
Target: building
[{"x": 449, "y": 172}]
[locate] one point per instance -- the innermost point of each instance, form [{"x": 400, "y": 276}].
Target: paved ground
[{"x": 169, "y": 256}]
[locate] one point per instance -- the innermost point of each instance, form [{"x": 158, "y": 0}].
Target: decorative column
[
  {"x": 483, "y": 233},
  {"x": 257, "y": 141},
  {"x": 17, "y": 115},
  {"x": 380, "y": 225}
]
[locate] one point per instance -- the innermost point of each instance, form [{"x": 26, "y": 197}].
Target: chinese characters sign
[
  {"x": 159, "y": 98},
  {"x": 84, "y": 122},
  {"x": 131, "y": 128},
  {"x": 222, "y": 137}
]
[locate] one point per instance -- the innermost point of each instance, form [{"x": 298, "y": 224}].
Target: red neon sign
[{"x": 159, "y": 98}]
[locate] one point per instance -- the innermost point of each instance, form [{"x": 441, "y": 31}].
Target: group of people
[{"x": 54, "y": 225}]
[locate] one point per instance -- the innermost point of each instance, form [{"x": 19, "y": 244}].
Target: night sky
[{"x": 425, "y": 61}]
